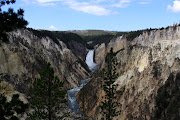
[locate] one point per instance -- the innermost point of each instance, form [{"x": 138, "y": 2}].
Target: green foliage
[
  {"x": 97, "y": 40},
  {"x": 162, "y": 28},
  {"x": 106, "y": 37},
  {"x": 8, "y": 109},
  {"x": 47, "y": 95},
  {"x": 133, "y": 34},
  {"x": 167, "y": 100},
  {"x": 109, "y": 105},
  {"x": 10, "y": 20},
  {"x": 84, "y": 33},
  {"x": 55, "y": 35}
]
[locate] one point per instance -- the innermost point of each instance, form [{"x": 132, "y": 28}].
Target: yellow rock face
[
  {"x": 144, "y": 66},
  {"x": 100, "y": 53}
]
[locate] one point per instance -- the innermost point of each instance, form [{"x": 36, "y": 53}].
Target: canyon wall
[
  {"x": 163, "y": 37},
  {"x": 78, "y": 49},
  {"x": 149, "y": 76},
  {"x": 26, "y": 54},
  {"x": 102, "y": 50}
]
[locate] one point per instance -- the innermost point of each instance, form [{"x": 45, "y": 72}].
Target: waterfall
[
  {"x": 90, "y": 61},
  {"x": 72, "y": 103}
]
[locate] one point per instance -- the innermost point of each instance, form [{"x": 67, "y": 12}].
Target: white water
[
  {"x": 72, "y": 103},
  {"x": 90, "y": 61}
]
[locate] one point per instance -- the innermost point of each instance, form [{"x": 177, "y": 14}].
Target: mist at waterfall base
[{"x": 72, "y": 103}]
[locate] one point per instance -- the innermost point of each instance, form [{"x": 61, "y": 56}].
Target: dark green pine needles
[
  {"x": 10, "y": 20},
  {"x": 109, "y": 105},
  {"x": 47, "y": 96},
  {"x": 10, "y": 110}
]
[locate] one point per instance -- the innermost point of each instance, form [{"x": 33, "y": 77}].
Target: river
[{"x": 72, "y": 103}]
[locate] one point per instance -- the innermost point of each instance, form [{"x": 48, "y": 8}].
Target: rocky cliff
[
  {"x": 149, "y": 76},
  {"x": 164, "y": 37},
  {"x": 26, "y": 54},
  {"x": 78, "y": 49}
]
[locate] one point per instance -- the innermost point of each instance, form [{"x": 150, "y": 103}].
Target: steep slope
[
  {"x": 163, "y": 37},
  {"x": 26, "y": 54},
  {"x": 73, "y": 41},
  {"x": 146, "y": 87}
]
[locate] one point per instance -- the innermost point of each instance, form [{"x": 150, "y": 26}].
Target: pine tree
[
  {"x": 8, "y": 110},
  {"x": 47, "y": 95},
  {"x": 10, "y": 20},
  {"x": 109, "y": 105}
]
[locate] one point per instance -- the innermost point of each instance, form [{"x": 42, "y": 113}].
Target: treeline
[
  {"x": 55, "y": 35},
  {"x": 105, "y": 38},
  {"x": 130, "y": 35},
  {"x": 93, "y": 32},
  {"x": 94, "y": 40}
]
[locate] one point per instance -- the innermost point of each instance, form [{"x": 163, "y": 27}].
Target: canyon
[
  {"x": 148, "y": 67},
  {"x": 25, "y": 55}
]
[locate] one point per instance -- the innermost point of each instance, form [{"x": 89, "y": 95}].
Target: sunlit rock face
[
  {"x": 146, "y": 66},
  {"x": 166, "y": 37},
  {"x": 100, "y": 53},
  {"x": 102, "y": 50},
  {"x": 25, "y": 55},
  {"x": 117, "y": 44}
]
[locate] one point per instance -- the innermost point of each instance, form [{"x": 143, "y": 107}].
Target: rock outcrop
[
  {"x": 78, "y": 49},
  {"x": 165, "y": 37},
  {"x": 100, "y": 53},
  {"x": 102, "y": 50},
  {"x": 146, "y": 66},
  {"x": 25, "y": 55}
]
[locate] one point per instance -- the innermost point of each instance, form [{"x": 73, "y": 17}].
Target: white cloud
[
  {"x": 87, "y": 8},
  {"x": 52, "y": 27},
  {"x": 122, "y": 3},
  {"x": 98, "y": 1},
  {"x": 41, "y": 2},
  {"x": 176, "y": 7},
  {"x": 94, "y": 7},
  {"x": 46, "y": 1}
]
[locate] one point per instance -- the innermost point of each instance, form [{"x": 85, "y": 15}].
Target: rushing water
[
  {"x": 72, "y": 103},
  {"x": 90, "y": 61}
]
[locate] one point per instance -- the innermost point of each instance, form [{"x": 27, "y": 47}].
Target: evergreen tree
[
  {"x": 47, "y": 95},
  {"x": 9, "y": 109},
  {"x": 109, "y": 105},
  {"x": 10, "y": 20}
]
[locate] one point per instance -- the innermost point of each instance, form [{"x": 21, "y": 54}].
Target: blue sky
[{"x": 114, "y": 15}]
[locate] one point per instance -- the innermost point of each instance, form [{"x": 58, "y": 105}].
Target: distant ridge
[{"x": 93, "y": 32}]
